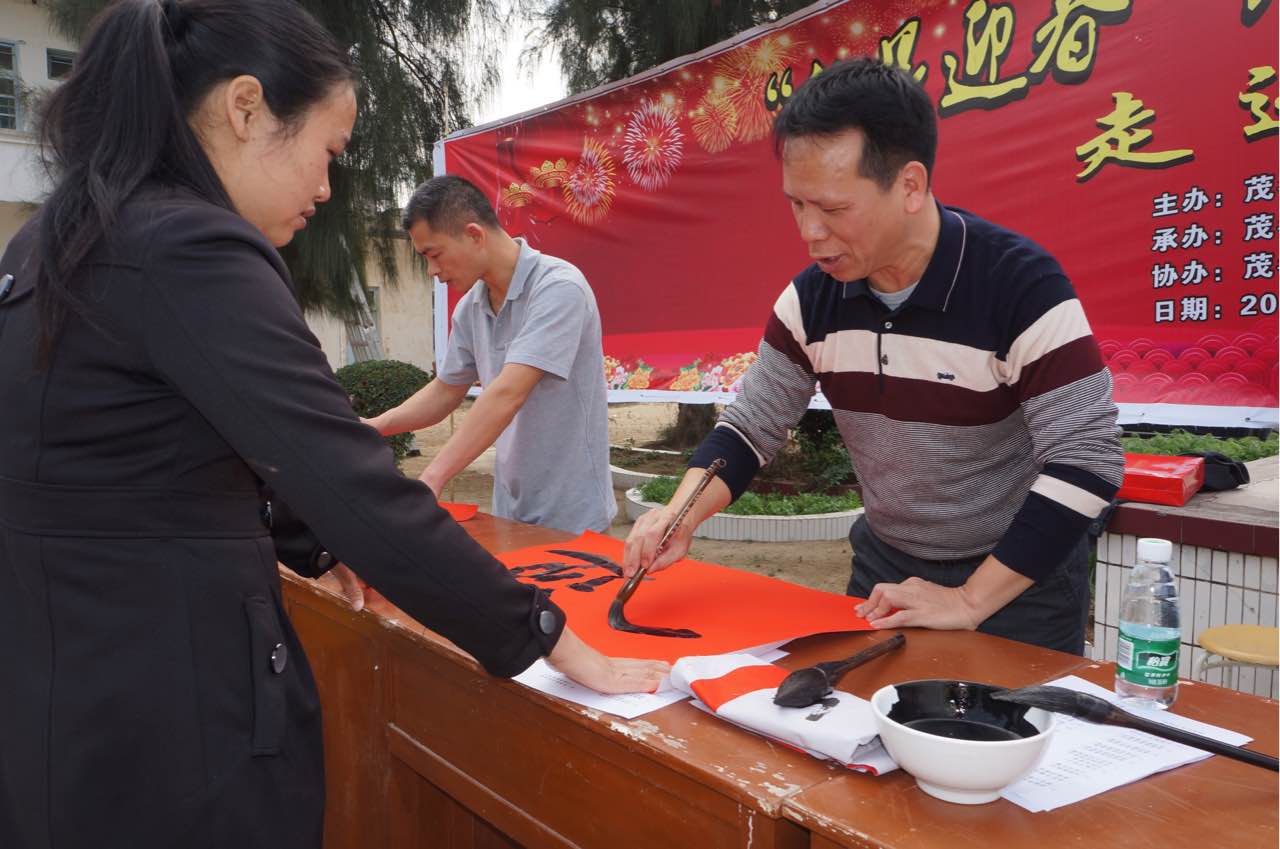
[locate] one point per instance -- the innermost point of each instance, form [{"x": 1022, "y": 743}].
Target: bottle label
[{"x": 1147, "y": 663}]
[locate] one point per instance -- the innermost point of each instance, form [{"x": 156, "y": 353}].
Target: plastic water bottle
[{"x": 1150, "y": 629}]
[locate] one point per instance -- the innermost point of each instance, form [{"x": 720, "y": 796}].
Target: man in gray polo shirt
[{"x": 528, "y": 329}]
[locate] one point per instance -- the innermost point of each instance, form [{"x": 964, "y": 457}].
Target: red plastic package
[{"x": 1161, "y": 480}]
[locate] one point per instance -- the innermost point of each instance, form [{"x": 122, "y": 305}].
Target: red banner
[{"x": 1134, "y": 139}]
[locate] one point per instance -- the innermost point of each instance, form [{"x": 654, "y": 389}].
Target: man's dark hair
[
  {"x": 891, "y": 109},
  {"x": 448, "y": 203}
]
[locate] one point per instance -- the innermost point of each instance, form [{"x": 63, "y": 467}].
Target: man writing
[
  {"x": 961, "y": 370},
  {"x": 528, "y": 329}
]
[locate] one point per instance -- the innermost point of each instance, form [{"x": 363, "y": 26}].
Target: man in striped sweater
[{"x": 961, "y": 370}]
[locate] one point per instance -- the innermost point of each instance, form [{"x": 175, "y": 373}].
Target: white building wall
[
  {"x": 404, "y": 315},
  {"x": 22, "y": 182}
]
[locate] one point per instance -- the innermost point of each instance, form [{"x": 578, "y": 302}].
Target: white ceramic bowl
[{"x": 968, "y": 772}]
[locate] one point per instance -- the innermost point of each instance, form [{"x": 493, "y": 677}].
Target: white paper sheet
[
  {"x": 541, "y": 676},
  {"x": 1084, "y": 759}
]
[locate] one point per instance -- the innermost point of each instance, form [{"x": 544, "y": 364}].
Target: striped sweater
[{"x": 978, "y": 415}]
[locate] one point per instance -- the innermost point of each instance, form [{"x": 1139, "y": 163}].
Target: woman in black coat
[{"x": 157, "y": 372}]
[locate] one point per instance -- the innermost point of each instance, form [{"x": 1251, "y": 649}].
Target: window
[
  {"x": 59, "y": 63},
  {"x": 8, "y": 86}
]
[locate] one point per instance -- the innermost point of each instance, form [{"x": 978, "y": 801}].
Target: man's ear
[
  {"x": 477, "y": 234},
  {"x": 244, "y": 105},
  {"x": 914, "y": 182}
]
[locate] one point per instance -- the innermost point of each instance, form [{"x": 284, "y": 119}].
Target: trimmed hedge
[
  {"x": 1241, "y": 449},
  {"x": 376, "y": 386}
]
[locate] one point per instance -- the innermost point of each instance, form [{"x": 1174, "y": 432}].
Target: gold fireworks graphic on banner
[
  {"x": 743, "y": 73},
  {"x": 653, "y": 145},
  {"x": 588, "y": 193},
  {"x": 715, "y": 122}
]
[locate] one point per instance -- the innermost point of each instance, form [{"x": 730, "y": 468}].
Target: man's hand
[
  {"x": 647, "y": 532},
  {"x": 613, "y": 675},
  {"x": 922, "y": 604},
  {"x": 919, "y": 604},
  {"x": 643, "y": 540}
]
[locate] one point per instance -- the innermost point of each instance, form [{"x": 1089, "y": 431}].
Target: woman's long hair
[{"x": 121, "y": 119}]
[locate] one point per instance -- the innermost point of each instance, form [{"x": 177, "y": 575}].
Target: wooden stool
[{"x": 1239, "y": 645}]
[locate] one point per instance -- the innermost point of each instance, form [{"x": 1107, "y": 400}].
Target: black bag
[{"x": 1220, "y": 471}]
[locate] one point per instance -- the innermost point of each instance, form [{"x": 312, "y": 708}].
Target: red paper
[
  {"x": 459, "y": 512},
  {"x": 732, "y": 610}
]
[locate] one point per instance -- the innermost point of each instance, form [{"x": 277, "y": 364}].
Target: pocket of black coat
[{"x": 269, "y": 657}]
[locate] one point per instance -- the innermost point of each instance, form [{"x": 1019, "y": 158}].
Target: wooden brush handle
[
  {"x": 834, "y": 670},
  {"x": 1196, "y": 741},
  {"x": 715, "y": 466}
]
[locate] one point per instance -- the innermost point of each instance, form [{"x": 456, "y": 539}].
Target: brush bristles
[{"x": 1058, "y": 700}]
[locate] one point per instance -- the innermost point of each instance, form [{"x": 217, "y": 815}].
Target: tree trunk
[{"x": 693, "y": 423}]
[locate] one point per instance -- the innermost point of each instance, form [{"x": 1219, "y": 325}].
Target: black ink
[
  {"x": 826, "y": 706},
  {"x": 590, "y": 586},
  {"x": 593, "y": 559}
]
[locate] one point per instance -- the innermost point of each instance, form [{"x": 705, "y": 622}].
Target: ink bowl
[{"x": 960, "y": 744}]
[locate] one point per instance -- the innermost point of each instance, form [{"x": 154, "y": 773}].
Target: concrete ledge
[
  {"x": 723, "y": 526},
  {"x": 625, "y": 479}
]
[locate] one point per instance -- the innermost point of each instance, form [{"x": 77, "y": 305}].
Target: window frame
[
  {"x": 52, "y": 53},
  {"x": 14, "y": 75}
]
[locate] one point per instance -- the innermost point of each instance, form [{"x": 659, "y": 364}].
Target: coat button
[
  {"x": 546, "y": 622},
  {"x": 279, "y": 658},
  {"x": 265, "y": 515},
  {"x": 6, "y": 286},
  {"x": 888, "y": 325}
]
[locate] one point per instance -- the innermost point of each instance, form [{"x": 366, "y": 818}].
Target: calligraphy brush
[
  {"x": 805, "y": 687},
  {"x": 1093, "y": 709},
  {"x": 617, "y": 620}
]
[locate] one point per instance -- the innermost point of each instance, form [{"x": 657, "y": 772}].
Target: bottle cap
[{"x": 1155, "y": 550}]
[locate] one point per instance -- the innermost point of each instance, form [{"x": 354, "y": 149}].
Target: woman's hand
[
  {"x": 612, "y": 675},
  {"x": 350, "y": 585}
]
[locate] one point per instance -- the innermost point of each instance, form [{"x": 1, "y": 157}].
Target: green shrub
[
  {"x": 376, "y": 386},
  {"x": 660, "y": 490},
  {"x": 1242, "y": 449},
  {"x": 822, "y": 451}
]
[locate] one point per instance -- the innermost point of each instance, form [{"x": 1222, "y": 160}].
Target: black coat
[{"x": 152, "y": 691}]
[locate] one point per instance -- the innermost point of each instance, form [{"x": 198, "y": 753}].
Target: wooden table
[{"x": 423, "y": 749}]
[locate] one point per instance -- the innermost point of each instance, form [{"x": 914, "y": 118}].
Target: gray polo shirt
[{"x": 553, "y": 459}]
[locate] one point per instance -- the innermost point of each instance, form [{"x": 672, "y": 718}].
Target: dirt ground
[{"x": 821, "y": 565}]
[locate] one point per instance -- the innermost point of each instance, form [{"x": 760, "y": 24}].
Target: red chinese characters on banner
[
  {"x": 730, "y": 609},
  {"x": 1136, "y": 141}
]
